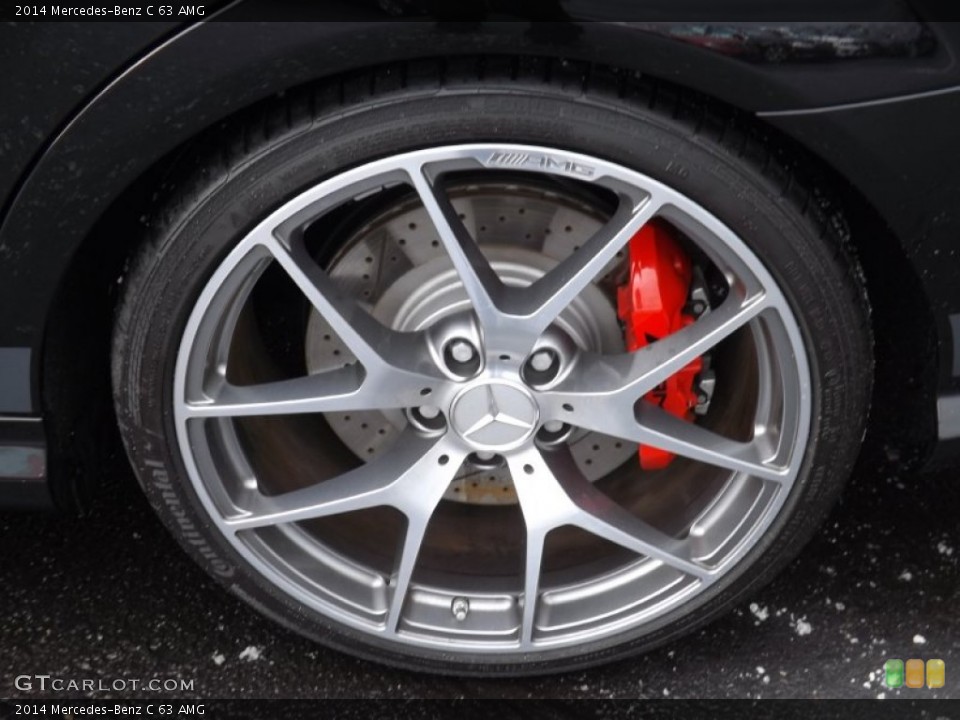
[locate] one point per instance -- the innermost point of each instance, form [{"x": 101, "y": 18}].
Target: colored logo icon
[
  {"x": 914, "y": 674},
  {"x": 893, "y": 673},
  {"x": 897, "y": 674},
  {"x": 936, "y": 673}
]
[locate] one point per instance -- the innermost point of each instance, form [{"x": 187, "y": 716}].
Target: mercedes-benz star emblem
[{"x": 495, "y": 415}]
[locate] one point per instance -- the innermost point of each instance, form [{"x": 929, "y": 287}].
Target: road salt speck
[
  {"x": 802, "y": 627},
  {"x": 219, "y": 658},
  {"x": 919, "y": 640},
  {"x": 251, "y": 653},
  {"x": 906, "y": 576}
]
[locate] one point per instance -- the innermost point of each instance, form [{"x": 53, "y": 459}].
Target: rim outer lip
[{"x": 598, "y": 169}]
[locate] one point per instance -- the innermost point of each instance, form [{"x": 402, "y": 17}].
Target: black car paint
[{"x": 882, "y": 116}]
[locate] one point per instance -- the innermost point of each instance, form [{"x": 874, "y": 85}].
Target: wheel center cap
[{"x": 495, "y": 415}]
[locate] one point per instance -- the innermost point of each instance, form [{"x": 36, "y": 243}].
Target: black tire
[{"x": 250, "y": 165}]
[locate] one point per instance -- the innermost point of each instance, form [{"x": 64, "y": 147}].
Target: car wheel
[{"x": 491, "y": 374}]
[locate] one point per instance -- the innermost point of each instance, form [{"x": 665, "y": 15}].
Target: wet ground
[{"x": 111, "y": 596}]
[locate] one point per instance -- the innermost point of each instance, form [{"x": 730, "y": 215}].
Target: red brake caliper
[{"x": 651, "y": 304}]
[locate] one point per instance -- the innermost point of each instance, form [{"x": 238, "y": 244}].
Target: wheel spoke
[
  {"x": 603, "y": 381},
  {"x": 603, "y": 396},
  {"x": 542, "y": 302},
  {"x": 426, "y": 486},
  {"x": 533, "y": 562},
  {"x": 479, "y": 279},
  {"x": 601, "y": 516},
  {"x": 647, "y": 424},
  {"x": 664, "y": 358},
  {"x": 565, "y": 497},
  {"x": 554, "y": 493},
  {"x": 660, "y": 429},
  {"x": 386, "y": 480},
  {"x": 347, "y": 388},
  {"x": 545, "y": 507},
  {"x": 412, "y": 542},
  {"x": 371, "y": 343}
]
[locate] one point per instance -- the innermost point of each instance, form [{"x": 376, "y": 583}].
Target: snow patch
[
  {"x": 251, "y": 653},
  {"x": 760, "y": 613}
]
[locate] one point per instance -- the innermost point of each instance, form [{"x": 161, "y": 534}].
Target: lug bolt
[
  {"x": 541, "y": 366},
  {"x": 460, "y": 607},
  {"x": 461, "y": 351},
  {"x": 462, "y": 357},
  {"x": 541, "y": 360},
  {"x": 426, "y": 418},
  {"x": 429, "y": 411},
  {"x": 485, "y": 460},
  {"x": 553, "y": 433}
]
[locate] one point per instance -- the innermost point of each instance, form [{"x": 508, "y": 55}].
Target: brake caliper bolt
[
  {"x": 461, "y": 351},
  {"x": 541, "y": 360},
  {"x": 429, "y": 411},
  {"x": 460, "y": 607}
]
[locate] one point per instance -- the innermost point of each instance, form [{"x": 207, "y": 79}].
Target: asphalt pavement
[{"x": 110, "y": 595}]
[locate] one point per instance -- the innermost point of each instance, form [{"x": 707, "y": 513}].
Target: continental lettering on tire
[
  {"x": 539, "y": 161},
  {"x": 160, "y": 480}
]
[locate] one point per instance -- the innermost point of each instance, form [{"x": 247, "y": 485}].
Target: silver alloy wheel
[{"x": 493, "y": 409}]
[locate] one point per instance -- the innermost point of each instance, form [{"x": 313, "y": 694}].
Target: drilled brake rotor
[{"x": 400, "y": 272}]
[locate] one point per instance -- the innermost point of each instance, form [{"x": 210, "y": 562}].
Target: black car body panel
[{"x": 89, "y": 121}]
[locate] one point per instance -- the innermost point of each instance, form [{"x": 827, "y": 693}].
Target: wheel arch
[{"x": 72, "y": 349}]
